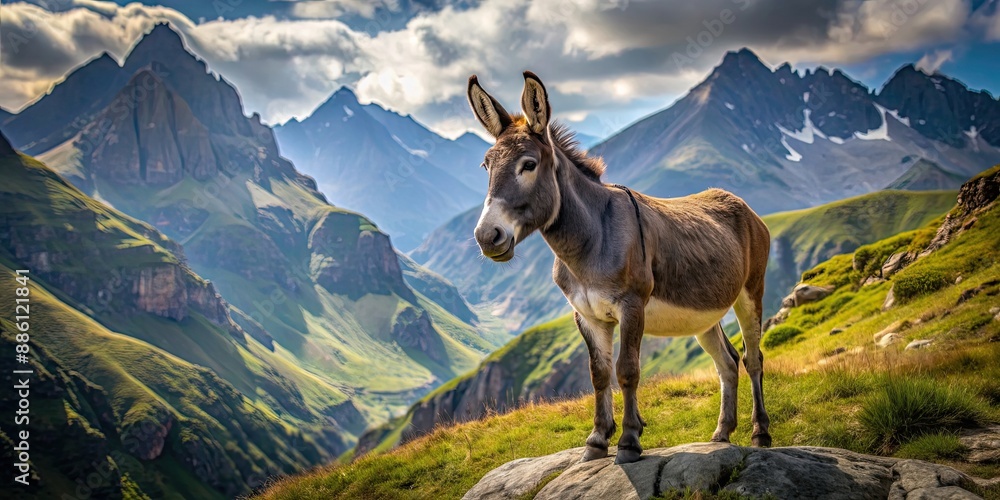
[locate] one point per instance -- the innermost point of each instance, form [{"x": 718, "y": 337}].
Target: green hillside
[
  {"x": 803, "y": 238},
  {"x": 144, "y": 366},
  {"x": 836, "y": 390}
]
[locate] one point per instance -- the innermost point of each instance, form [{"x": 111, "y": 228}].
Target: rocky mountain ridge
[
  {"x": 318, "y": 286},
  {"x": 413, "y": 178}
]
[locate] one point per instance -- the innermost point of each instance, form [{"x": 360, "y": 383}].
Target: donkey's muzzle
[{"x": 495, "y": 242}]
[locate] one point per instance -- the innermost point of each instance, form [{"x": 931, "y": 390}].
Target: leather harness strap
[{"x": 638, "y": 217}]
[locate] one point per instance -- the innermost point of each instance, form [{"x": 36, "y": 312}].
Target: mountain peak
[
  {"x": 344, "y": 94},
  {"x": 740, "y": 57},
  {"x": 162, "y": 43},
  {"x": 163, "y": 35}
]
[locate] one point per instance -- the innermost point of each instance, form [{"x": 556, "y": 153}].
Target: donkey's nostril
[{"x": 498, "y": 236}]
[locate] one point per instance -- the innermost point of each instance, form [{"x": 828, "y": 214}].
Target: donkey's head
[{"x": 523, "y": 195}]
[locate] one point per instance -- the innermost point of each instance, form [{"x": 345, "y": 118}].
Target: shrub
[
  {"x": 914, "y": 282},
  {"x": 780, "y": 335},
  {"x": 935, "y": 446},
  {"x": 905, "y": 408},
  {"x": 868, "y": 259}
]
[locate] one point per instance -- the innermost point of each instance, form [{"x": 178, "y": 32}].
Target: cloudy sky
[{"x": 606, "y": 62}]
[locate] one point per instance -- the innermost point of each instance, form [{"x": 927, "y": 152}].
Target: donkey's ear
[
  {"x": 535, "y": 103},
  {"x": 488, "y": 111}
]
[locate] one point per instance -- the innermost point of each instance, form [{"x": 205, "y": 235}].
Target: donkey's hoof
[
  {"x": 627, "y": 455},
  {"x": 594, "y": 453},
  {"x": 762, "y": 440},
  {"x": 719, "y": 438}
]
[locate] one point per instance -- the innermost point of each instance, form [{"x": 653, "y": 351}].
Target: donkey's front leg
[
  {"x": 632, "y": 324},
  {"x": 599, "y": 337}
]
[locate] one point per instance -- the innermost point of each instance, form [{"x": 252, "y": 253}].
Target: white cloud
[
  {"x": 38, "y": 47},
  {"x": 987, "y": 19},
  {"x": 931, "y": 62},
  {"x": 598, "y": 57},
  {"x": 332, "y": 9}
]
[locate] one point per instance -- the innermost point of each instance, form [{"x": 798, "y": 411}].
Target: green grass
[
  {"x": 679, "y": 410},
  {"x": 780, "y": 334},
  {"x": 904, "y": 409},
  {"x": 936, "y": 446}
]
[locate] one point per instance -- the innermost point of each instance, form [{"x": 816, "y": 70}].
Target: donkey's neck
[{"x": 577, "y": 230}]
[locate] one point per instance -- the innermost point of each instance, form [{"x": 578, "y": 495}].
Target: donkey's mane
[{"x": 565, "y": 139}]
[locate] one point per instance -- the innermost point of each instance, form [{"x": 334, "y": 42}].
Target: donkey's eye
[{"x": 529, "y": 166}]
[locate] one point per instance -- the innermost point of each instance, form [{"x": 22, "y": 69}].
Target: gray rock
[
  {"x": 983, "y": 444},
  {"x": 890, "y": 299},
  {"x": 517, "y": 478},
  {"x": 888, "y": 339},
  {"x": 794, "y": 472},
  {"x": 918, "y": 344},
  {"x": 995, "y": 310},
  {"x": 805, "y": 293},
  {"x": 896, "y": 262}
]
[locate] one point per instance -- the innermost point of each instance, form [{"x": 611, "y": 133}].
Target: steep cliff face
[
  {"x": 495, "y": 387},
  {"x": 943, "y": 108},
  {"x": 128, "y": 144},
  {"x": 351, "y": 257},
  {"x": 412, "y": 330},
  {"x": 84, "y": 255}
]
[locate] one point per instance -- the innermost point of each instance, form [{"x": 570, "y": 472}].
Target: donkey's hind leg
[
  {"x": 749, "y": 308},
  {"x": 599, "y": 337},
  {"x": 727, "y": 363}
]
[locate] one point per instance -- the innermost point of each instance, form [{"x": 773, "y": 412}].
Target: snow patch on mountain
[
  {"x": 808, "y": 133},
  {"x": 973, "y": 134},
  {"x": 415, "y": 152},
  {"x": 792, "y": 155}
]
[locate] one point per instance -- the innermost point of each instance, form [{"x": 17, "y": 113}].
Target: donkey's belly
[{"x": 664, "y": 319}]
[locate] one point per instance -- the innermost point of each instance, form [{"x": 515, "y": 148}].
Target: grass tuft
[
  {"x": 906, "y": 408},
  {"x": 780, "y": 334},
  {"x": 937, "y": 446},
  {"x": 918, "y": 281}
]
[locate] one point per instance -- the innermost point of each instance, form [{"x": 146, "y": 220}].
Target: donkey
[{"x": 665, "y": 267}]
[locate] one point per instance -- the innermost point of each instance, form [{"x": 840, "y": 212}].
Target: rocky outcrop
[
  {"x": 242, "y": 250},
  {"x": 143, "y": 278},
  {"x": 352, "y": 258},
  {"x": 436, "y": 288},
  {"x": 787, "y": 473},
  {"x": 252, "y": 327},
  {"x": 975, "y": 195},
  {"x": 803, "y": 293},
  {"x": 495, "y": 388},
  {"x": 145, "y": 432},
  {"x": 412, "y": 330},
  {"x": 128, "y": 144},
  {"x": 942, "y": 108},
  {"x": 347, "y": 416}
]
